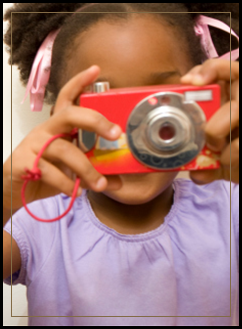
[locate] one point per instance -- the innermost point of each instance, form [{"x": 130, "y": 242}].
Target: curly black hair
[{"x": 32, "y": 22}]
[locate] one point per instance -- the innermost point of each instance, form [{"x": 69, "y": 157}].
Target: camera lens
[{"x": 167, "y": 131}]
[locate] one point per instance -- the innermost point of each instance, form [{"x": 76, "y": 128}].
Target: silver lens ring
[
  {"x": 174, "y": 118},
  {"x": 143, "y": 134}
]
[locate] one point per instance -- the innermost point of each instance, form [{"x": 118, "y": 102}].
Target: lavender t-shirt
[{"x": 79, "y": 272}]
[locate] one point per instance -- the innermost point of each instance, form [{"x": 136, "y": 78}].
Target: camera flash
[{"x": 153, "y": 101}]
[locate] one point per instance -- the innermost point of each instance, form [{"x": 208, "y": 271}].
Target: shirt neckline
[{"x": 134, "y": 237}]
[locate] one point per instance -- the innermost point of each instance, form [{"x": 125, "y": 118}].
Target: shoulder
[
  {"x": 217, "y": 202},
  {"x": 218, "y": 189},
  {"x": 36, "y": 239},
  {"x": 45, "y": 209},
  {"x": 219, "y": 198}
]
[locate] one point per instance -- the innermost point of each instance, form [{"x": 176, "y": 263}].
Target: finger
[
  {"x": 73, "y": 158},
  {"x": 208, "y": 176},
  {"x": 201, "y": 177},
  {"x": 218, "y": 127},
  {"x": 224, "y": 86},
  {"x": 75, "y": 86},
  {"x": 231, "y": 155},
  {"x": 56, "y": 179},
  {"x": 187, "y": 78},
  {"x": 213, "y": 70},
  {"x": 83, "y": 118},
  {"x": 114, "y": 183}
]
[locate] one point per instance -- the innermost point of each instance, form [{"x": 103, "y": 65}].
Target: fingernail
[
  {"x": 91, "y": 68},
  {"x": 187, "y": 77},
  {"x": 101, "y": 183},
  {"x": 79, "y": 191},
  {"x": 198, "y": 80},
  {"x": 116, "y": 130}
]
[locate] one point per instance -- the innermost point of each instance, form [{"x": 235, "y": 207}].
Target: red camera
[{"x": 163, "y": 128}]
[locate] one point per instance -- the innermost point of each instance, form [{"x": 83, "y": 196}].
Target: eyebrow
[
  {"x": 164, "y": 75},
  {"x": 152, "y": 77}
]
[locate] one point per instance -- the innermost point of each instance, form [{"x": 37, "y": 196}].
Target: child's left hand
[{"x": 218, "y": 127}]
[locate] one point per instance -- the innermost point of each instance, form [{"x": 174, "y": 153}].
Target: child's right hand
[{"x": 61, "y": 154}]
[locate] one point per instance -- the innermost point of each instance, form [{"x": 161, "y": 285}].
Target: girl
[{"x": 139, "y": 250}]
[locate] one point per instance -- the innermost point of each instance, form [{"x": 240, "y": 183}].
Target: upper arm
[{"x": 16, "y": 258}]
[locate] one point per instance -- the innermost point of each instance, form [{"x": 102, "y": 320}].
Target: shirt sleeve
[
  {"x": 29, "y": 235},
  {"x": 235, "y": 211},
  {"x": 233, "y": 195},
  {"x": 13, "y": 230}
]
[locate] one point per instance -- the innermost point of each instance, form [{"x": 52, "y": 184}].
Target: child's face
[{"x": 137, "y": 52}]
